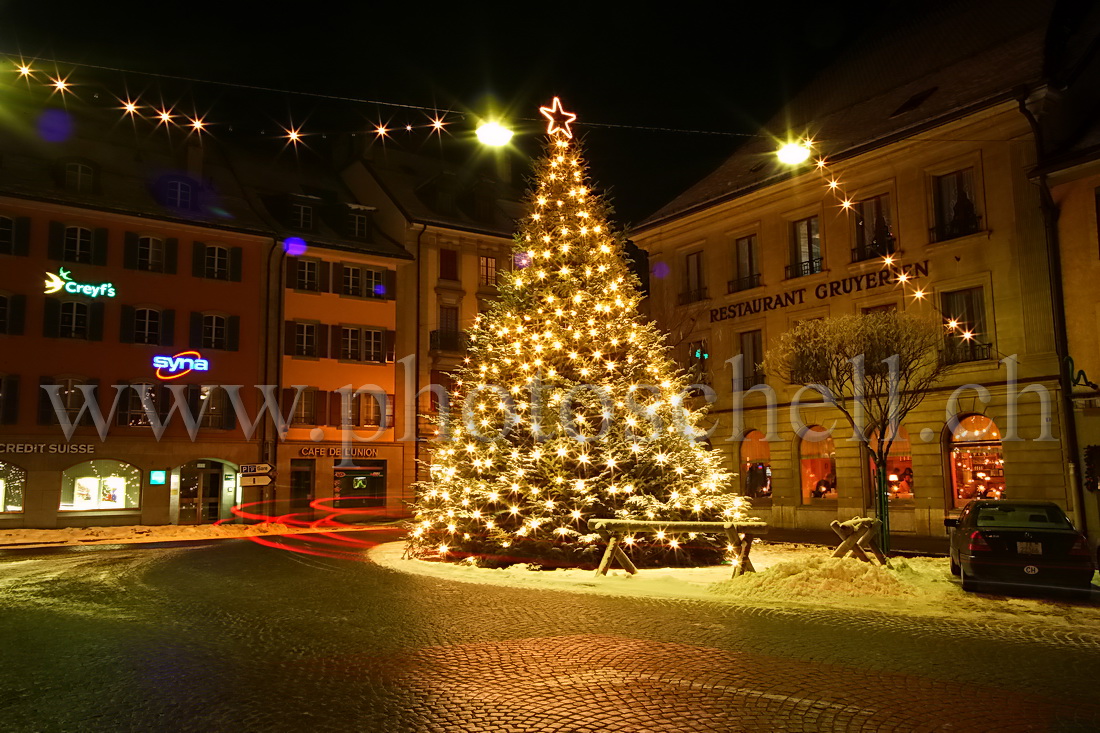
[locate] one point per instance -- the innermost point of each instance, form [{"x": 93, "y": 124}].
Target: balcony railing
[
  {"x": 448, "y": 341},
  {"x": 749, "y": 380},
  {"x": 874, "y": 249},
  {"x": 961, "y": 352},
  {"x": 802, "y": 269},
  {"x": 954, "y": 229},
  {"x": 693, "y": 296},
  {"x": 744, "y": 283}
]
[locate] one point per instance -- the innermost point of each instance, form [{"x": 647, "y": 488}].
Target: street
[{"x": 236, "y": 635}]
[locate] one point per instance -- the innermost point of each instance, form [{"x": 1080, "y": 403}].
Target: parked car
[{"x": 1030, "y": 543}]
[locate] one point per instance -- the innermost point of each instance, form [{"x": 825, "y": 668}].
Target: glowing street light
[
  {"x": 493, "y": 134},
  {"x": 793, "y": 153}
]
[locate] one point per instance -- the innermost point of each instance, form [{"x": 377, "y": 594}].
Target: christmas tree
[{"x": 568, "y": 406}]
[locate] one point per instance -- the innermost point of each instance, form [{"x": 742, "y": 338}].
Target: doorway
[{"x": 207, "y": 489}]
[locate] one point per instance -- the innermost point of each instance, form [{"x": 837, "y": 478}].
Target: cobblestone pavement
[{"x": 235, "y": 636}]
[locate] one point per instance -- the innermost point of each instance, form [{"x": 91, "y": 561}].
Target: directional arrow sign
[
  {"x": 264, "y": 480},
  {"x": 256, "y": 469}
]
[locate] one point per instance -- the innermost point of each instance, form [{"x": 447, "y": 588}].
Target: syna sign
[{"x": 174, "y": 367}]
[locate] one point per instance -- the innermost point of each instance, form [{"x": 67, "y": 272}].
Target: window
[
  {"x": 306, "y": 277},
  {"x": 301, "y": 216},
  {"x": 373, "y": 348},
  {"x": 353, "y": 281},
  {"x": 374, "y": 282},
  {"x": 487, "y": 271},
  {"x": 899, "y": 467},
  {"x": 698, "y": 354},
  {"x": 817, "y": 464},
  {"x": 150, "y": 254},
  {"x": 748, "y": 265},
  {"x": 13, "y": 483},
  {"x": 805, "y": 248},
  {"x": 74, "y": 320},
  {"x": 977, "y": 460},
  {"x": 146, "y": 326},
  {"x": 694, "y": 289},
  {"x": 132, "y": 411},
  {"x": 448, "y": 318},
  {"x": 756, "y": 466},
  {"x": 362, "y": 344},
  {"x": 351, "y": 344},
  {"x": 79, "y": 177},
  {"x": 359, "y": 226},
  {"x": 78, "y": 245},
  {"x": 448, "y": 264},
  {"x": 3, "y": 314},
  {"x": 874, "y": 235},
  {"x": 955, "y": 211},
  {"x": 305, "y": 411},
  {"x": 751, "y": 357},
  {"x": 214, "y": 332},
  {"x": 218, "y": 412},
  {"x": 301, "y": 483},
  {"x": 179, "y": 194},
  {"x": 103, "y": 484},
  {"x": 305, "y": 339},
  {"x": 217, "y": 263},
  {"x": 364, "y": 410},
  {"x": 967, "y": 338},
  {"x": 7, "y": 235}
]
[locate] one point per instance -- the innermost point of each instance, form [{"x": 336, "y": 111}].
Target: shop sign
[
  {"x": 325, "y": 452},
  {"x": 47, "y": 448},
  {"x": 823, "y": 291},
  {"x": 174, "y": 367},
  {"x": 63, "y": 280}
]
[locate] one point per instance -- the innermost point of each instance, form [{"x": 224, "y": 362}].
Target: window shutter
[
  {"x": 122, "y": 417},
  {"x": 193, "y": 401},
  {"x": 45, "y": 407},
  {"x": 389, "y": 280},
  {"x": 335, "y": 342},
  {"x": 51, "y": 321},
  {"x": 56, "y": 245},
  {"x": 87, "y": 419},
  {"x": 195, "y": 340},
  {"x": 171, "y": 254},
  {"x": 324, "y": 276},
  {"x": 236, "y": 256},
  {"x": 388, "y": 344},
  {"x": 322, "y": 341},
  {"x": 286, "y": 401},
  {"x": 233, "y": 333},
  {"x": 130, "y": 250},
  {"x": 164, "y": 400},
  {"x": 291, "y": 272},
  {"x": 198, "y": 259},
  {"x": 389, "y": 411},
  {"x": 167, "y": 327},
  {"x": 17, "y": 310},
  {"x": 95, "y": 322},
  {"x": 10, "y": 412},
  {"x": 229, "y": 415},
  {"x": 99, "y": 246},
  {"x": 22, "y": 236},
  {"x": 126, "y": 325},
  {"x": 288, "y": 337},
  {"x": 335, "y": 409}
]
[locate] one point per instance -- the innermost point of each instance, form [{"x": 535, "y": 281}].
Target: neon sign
[
  {"x": 174, "y": 367},
  {"x": 63, "y": 281}
]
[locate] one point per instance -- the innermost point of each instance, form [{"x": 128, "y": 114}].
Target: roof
[{"x": 904, "y": 75}]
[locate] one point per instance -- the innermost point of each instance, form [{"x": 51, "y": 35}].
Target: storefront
[{"x": 342, "y": 481}]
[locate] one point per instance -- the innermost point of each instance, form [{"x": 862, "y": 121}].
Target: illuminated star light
[
  {"x": 197, "y": 124},
  {"x": 129, "y": 107},
  {"x": 24, "y": 70},
  {"x": 293, "y": 134},
  {"x": 164, "y": 116},
  {"x": 381, "y": 131},
  {"x": 559, "y": 118},
  {"x": 437, "y": 124},
  {"x": 60, "y": 84}
]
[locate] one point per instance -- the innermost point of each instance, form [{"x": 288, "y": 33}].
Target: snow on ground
[
  {"x": 158, "y": 533},
  {"x": 788, "y": 575}
]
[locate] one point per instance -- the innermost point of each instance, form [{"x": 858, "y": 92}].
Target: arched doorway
[
  {"x": 756, "y": 466},
  {"x": 976, "y": 456},
  {"x": 203, "y": 491},
  {"x": 817, "y": 465}
]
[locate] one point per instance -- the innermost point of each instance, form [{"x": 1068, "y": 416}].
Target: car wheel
[
  {"x": 954, "y": 565},
  {"x": 968, "y": 583}
]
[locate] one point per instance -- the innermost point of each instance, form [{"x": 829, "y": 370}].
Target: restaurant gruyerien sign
[{"x": 822, "y": 291}]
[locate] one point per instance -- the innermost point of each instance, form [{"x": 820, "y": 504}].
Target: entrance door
[{"x": 200, "y": 491}]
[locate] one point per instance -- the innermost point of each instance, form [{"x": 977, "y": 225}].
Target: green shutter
[
  {"x": 236, "y": 255},
  {"x": 95, "y": 322},
  {"x": 99, "y": 246},
  {"x": 51, "y": 320},
  {"x": 195, "y": 340},
  {"x": 233, "y": 335},
  {"x": 171, "y": 254},
  {"x": 126, "y": 325},
  {"x": 56, "y": 246},
  {"x": 198, "y": 259},
  {"x": 21, "y": 236},
  {"x": 167, "y": 327},
  {"x": 17, "y": 305},
  {"x": 9, "y": 409},
  {"x": 130, "y": 250}
]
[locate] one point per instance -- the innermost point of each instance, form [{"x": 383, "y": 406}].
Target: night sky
[{"x": 687, "y": 68}]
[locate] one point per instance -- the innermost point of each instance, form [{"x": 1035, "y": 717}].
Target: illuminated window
[
  {"x": 7, "y": 235},
  {"x": 756, "y": 466},
  {"x": 977, "y": 460},
  {"x": 179, "y": 194},
  {"x": 132, "y": 411},
  {"x": 214, "y": 332},
  {"x": 805, "y": 248},
  {"x": 146, "y": 326},
  {"x": 150, "y": 255},
  {"x": 448, "y": 264},
  {"x": 967, "y": 309},
  {"x": 899, "y": 467},
  {"x": 305, "y": 410},
  {"x": 101, "y": 484},
  {"x": 301, "y": 216},
  {"x": 817, "y": 464},
  {"x": 79, "y": 177},
  {"x": 78, "y": 245},
  {"x": 365, "y": 410},
  {"x": 487, "y": 271},
  {"x": 955, "y": 209},
  {"x": 13, "y": 484},
  {"x": 217, "y": 263},
  {"x": 305, "y": 339},
  {"x": 74, "y": 320},
  {"x": 874, "y": 233},
  {"x": 373, "y": 345}
]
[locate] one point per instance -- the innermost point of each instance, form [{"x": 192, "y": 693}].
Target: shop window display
[
  {"x": 899, "y": 467},
  {"x": 756, "y": 468},
  {"x": 977, "y": 460},
  {"x": 817, "y": 464},
  {"x": 13, "y": 481},
  {"x": 102, "y": 484}
]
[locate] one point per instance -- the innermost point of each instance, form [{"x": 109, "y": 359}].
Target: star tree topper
[{"x": 559, "y": 118}]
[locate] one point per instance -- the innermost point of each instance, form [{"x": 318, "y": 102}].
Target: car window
[{"x": 1034, "y": 516}]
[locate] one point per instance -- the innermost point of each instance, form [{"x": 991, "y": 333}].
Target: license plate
[{"x": 1029, "y": 548}]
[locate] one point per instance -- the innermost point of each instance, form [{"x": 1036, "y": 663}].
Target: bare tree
[{"x": 875, "y": 368}]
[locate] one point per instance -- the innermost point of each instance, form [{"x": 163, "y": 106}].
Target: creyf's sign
[{"x": 63, "y": 280}]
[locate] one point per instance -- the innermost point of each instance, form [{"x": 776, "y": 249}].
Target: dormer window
[
  {"x": 179, "y": 194},
  {"x": 301, "y": 216},
  {"x": 79, "y": 177},
  {"x": 359, "y": 225}
]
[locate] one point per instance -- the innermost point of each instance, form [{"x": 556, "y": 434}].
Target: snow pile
[
  {"x": 817, "y": 576},
  {"x": 139, "y": 533}
]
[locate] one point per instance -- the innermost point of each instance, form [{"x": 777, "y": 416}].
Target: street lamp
[
  {"x": 493, "y": 134},
  {"x": 793, "y": 153}
]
